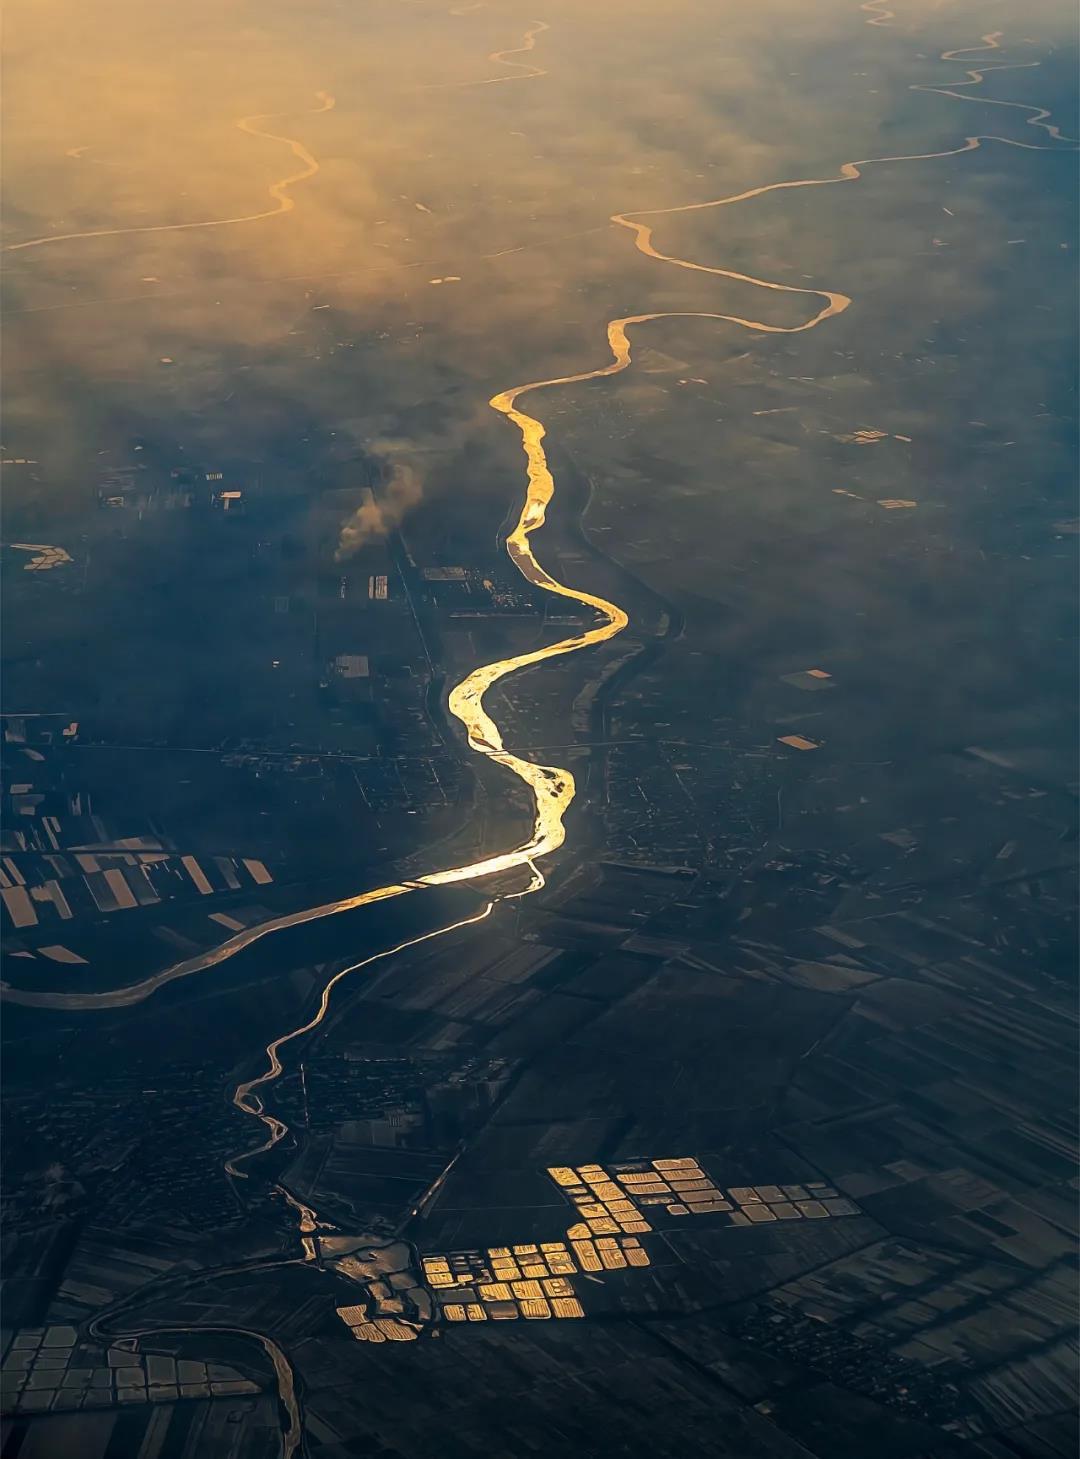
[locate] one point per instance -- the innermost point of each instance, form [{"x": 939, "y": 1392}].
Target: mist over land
[{"x": 539, "y": 729}]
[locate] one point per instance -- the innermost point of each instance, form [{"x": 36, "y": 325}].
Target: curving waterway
[
  {"x": 523, "y": 71},
  {"x": 246, "y": 1098},
  {"x": 293, "y": 1430},
  {"x": 279, "y": 191},
  {"x": 992, "y": 42},
  {"x": 878, "y": 13},
  {"x": 551, "y": 787}
]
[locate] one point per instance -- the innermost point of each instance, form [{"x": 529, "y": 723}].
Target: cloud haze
[{"x": 377, "y": 516}]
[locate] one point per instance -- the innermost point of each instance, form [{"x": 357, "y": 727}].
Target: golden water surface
[{"x": 551, "y": 787}]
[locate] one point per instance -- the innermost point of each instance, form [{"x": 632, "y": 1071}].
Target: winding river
[
  {"x": 279, "y": 191},
  {"x": 551, "y": 787}
]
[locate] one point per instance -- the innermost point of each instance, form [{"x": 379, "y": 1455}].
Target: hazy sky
[{"x": 124, "y": 115}]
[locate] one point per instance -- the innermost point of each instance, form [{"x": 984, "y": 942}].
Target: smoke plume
[{"x": 375, "y": 518}]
